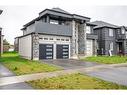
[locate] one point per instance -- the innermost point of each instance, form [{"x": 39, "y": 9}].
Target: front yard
[
  {"x": 22, "y": 66},
  {"x": 106, "y": 59},
  {"x": 74, "y": 81}
]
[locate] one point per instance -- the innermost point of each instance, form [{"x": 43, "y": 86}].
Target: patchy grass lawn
[
  {"x": 74, "y": 81},
  {"x": 106, "y": 59},
  {"x": 23, "y": 66}
]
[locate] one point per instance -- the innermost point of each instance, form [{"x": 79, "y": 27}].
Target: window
[
  {"x": 122, "y": 31},
  {"x": 88, "y": 29},
  {"x": 111, "y": 46},
  {"x": 62, "y": 39},
  {"x": 57, "y": 39},
  {"x": 67, "y": 39},
  {"x": 45, "y": 38},
  {"x": 110, "y": 32},
  {"x": 41, "y": 38},
  {"x": 54, "y": 22},
  {"x": 126, "y": 34},
  {"x": 51, "y": 39}
]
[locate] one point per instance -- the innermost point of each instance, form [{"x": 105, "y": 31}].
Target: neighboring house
[
  {"x": 57, "y": 34},
  {"x": 1, "y": 38},
  {"x": 110, "y": 38},
  {"x": 16, "y": 44},
  {"x": 6, "y": 46}
]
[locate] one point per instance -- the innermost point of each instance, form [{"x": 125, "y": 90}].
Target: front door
[{"x": 120, "y": 47}]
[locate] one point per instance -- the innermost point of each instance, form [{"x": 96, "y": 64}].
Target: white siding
[
  {"x": 25, "y": 47},
  {"x": 89, "y": 47}
]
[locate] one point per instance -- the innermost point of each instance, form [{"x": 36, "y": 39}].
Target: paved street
[{"x": 117, "y": 74}]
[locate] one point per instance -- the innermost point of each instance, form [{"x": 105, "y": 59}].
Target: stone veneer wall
[
  {"x": 74, "y": 40},
  {"x": 35, "y": 41},
  {"x": 81, "y": 39}
]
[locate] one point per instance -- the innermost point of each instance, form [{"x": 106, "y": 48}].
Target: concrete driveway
[
  {"x": 114, "y": 74},
  {"x": 70, "y": 63}
]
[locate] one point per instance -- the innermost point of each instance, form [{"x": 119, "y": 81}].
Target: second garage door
[{"x": 62, "y": 51}]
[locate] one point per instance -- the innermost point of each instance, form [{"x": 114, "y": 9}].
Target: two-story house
[
  {"x": 1, "y": 37},
  {"x": 57, "y": 34},
  {"x": 110, "y": 38}
]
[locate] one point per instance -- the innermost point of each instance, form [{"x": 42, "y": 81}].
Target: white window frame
[
  {"x": 54, "y": 21},
  {"x": 111, "y": 32}
]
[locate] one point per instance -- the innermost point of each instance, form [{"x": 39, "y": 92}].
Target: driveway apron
[{"x": 70, "y": 63}]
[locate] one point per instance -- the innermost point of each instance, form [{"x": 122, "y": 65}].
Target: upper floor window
[
  {"x": 122, "y": 31},
  {"x": 88, "y": 29},
  {"x": 126, "y": 34},
  {"x": 54, "y": 21},
  {"x": 110, "y": 32}
]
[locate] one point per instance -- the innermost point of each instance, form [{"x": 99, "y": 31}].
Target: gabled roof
[{"x": 101, "y": 24}]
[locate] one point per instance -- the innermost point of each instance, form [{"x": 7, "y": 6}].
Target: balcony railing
[
  {"x": 55, "y": 29},
  {"x": 121, "y": 36},
  {"x": 91, "y": 36}
]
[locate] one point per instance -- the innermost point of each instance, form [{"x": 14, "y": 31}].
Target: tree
[
  {"x": 5, "y": 42},
  {"x": 6, "y": 45}
]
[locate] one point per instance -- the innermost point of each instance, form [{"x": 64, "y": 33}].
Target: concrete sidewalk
[
  {"x": 5, "y": 73},
  {"x": 19, "y": 79},
  {"x": 29, "y": 77}
]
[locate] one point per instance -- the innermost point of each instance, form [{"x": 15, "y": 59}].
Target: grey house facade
[
  {"x": 110, "y": 38},
  {"x": 57, "y": 34}
]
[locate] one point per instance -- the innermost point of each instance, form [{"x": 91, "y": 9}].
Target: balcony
[
  {"x": 53, "y": 29},
  {"x": 91, "y": 36},
  {"x": 121, "y": 36}
]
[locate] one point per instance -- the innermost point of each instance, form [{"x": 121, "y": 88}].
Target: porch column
[
  {"x": 82, "y": 38},
  {"x": 35, "y": 46}
]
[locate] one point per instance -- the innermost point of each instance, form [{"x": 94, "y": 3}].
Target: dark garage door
[
  {"x": 62, "y": 51},
  {"x": 45, "y": 51}
]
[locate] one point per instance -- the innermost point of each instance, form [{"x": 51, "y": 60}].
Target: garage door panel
[
  {"x": 62, "y": 51},
  {"x": 45, "y": 51}
]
